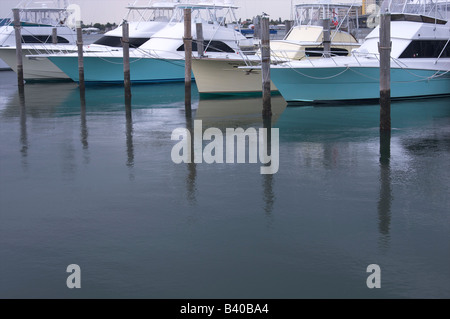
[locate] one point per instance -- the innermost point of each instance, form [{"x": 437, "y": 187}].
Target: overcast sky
[{"x": 113, "y": 10}]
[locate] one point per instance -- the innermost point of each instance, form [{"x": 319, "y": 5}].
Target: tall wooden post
[
  {"x": 288, "y": 26},
  {"x": 55, "y": 36},
  {"x": 326, "y": 38},
  {"x": 126, "y": 59},
  {"x": 385, "y": 71},
  {"x": 200, "y": 40},
  {"x": 257, "y": 30},
  {"x": 188, "y": 58},
  {"x": 265, "y": 66},
  {"x": 80, "y": 57},
  {"x": 17, "y": 29}
]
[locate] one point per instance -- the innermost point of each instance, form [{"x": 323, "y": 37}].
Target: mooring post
[
  {"x": 384, "y": 47},
  {"x": 200, "y": 39},
  {"x": 126, "y": 58},
  {"x": 80, "y": 57},
  {"x": 326, "y": 38},
  {"x": 288, "y": 26},
  {"x": 55, "y": 36},
  {"x": 257, "y": 26},
  {"x": 265, "y": 67},
  {"x": 188, "y": 58},
  {"x": 17, "y": 29}
]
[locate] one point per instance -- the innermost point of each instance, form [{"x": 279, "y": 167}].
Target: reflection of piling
[
  {"x": 80, "y": 56},
  {"x": 200, "y": 40},
  {"x": 23, "y": 123},
  {"x": 129, "y": 134},
  {"x": 188, "y": 58},
  {"x": 385, "y": 72},
  {"x": 326, "y": 38},
  {"x": 55, "y": 36},
  {"x": 265, "y": 65},
  {"x": 191, "y": 178},
  {"x": 84, "y": 130},
  {"x": 126, "y": 59},
  {"x": 385, "y": 200},
  {"x": 269, "y": 195},
  {"x": 17, "y": 29}
]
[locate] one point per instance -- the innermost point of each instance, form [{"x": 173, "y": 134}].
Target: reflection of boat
[
  {"x": 151, "y": 18},
  {"x": 161, "y": 59},
  {"x": 223, "y": 76},
  {"x": 41, "y": 100},
  {"x": 420, "y": 62},
  {"x": 63, "y": 98},
  {"x": 111, "y": 97},
  {"x": 231, "y": 112},
  {"x": 341, "y": 122}
]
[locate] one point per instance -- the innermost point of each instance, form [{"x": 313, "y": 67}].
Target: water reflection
[
  {"x": 224, "y": 113},
  {"x": 191, "y": 188},
  {"x": 84, "y": 130},
  {"x": 244, "y": 113},
  {"x": 23, "y": 126},
  {"x": 42, "y": 100},
  {"x": 385, "y": 197},
  {"x": 269, "y": 195}
]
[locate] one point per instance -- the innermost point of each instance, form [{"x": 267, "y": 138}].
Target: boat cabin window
[
  {"x": 41, "y": 39},
  {"x": 318, "y": 52},
  {"x": 426, "y": 49},
  {"x": 214, "y": 46},
  {"x": 116, "y": 42}
]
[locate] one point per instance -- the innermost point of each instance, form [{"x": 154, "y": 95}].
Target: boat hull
[
  {"x": 110, "y": 69},
  {"x": 34, "y": 69},
  {"x": 223, "y": 76},
  {"x": 356, "y": 83},
  {"x": 4, "y": 66}
]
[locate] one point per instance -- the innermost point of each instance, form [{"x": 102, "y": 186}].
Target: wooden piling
[
  {"x": 188, "y": 58},
  {"x": 126, "y": 59},
  {"x": 80, "y": 57},
  {"x": 326, "y": 38},
  {"x": 384, "y": 47},
  {"x": 55, "y": 36},
  {"x": 257, "y": 27},
  {"x": 265, "y": 67},
  {"x": 288, "y": 26},
  {"x": 200, "y": 40},
  {"x": 17, "y": 29}
]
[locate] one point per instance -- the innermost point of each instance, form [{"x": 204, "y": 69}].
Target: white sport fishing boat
[
  {"x": 420, "y": 60},
  {"x": 218, "y": 76},
  {"x": 37, "y": 39},
  {"x": 161, "y": 59},
  {"x": 38, "y": 20}
]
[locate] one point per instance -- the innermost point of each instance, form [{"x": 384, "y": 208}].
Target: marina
[{"x": 160, "y": 191}]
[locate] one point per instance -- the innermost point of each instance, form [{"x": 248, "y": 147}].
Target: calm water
[{"x": 93, "y": 187}]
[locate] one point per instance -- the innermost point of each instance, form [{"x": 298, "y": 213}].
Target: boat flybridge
[
  {"x": 218, "y": 76},
  {"x": 420, "y": 60},
  {"x": 161, "y": 58},
  {"x": 37, "y": 39},
  {"x": 306, "y": 37},
  {"x": 144, "y": 21}
]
